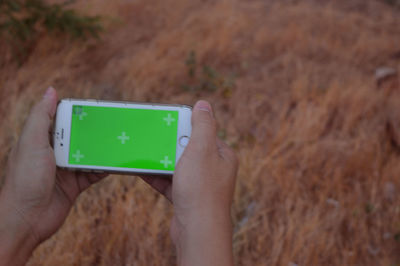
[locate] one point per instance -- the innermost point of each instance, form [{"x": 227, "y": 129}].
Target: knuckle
[
  {"x": 207, "y": 122},
  {"x": 37, "y": 108},
  {"x": 204, "y": 117},
  {"x": 201, "y": 147},
  {"x": 40, "y": 111}
]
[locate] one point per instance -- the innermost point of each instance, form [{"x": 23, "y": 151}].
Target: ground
[{"x": 295, "y": 94}]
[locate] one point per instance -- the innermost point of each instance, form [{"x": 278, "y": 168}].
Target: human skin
[
  {"x": 201, "y": 191},
  {"x": 36, "y": 196}
]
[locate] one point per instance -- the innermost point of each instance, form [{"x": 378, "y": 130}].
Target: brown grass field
[{"x": 318, "y": 139}]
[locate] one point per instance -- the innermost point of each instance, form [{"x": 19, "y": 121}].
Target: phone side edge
[
  {"x": 184, "y": 129},
  {"x": 61, "y": 133},
  {"x": 128, "y": 102}
]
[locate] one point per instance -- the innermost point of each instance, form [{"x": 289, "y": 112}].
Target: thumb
[
  {"x": 203, "y": 135},
  {"x": 36, "y": 130}
]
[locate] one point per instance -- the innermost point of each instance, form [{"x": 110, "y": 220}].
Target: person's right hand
[{"x": 201, "y": 192}]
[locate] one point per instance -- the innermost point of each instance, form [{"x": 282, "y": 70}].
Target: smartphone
[{"x": 121, "y": 137}]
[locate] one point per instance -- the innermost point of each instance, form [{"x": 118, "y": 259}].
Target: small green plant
[
  {"x": 191, "y": 64},
  {"x": 369, "y": 208},
  {"x": 397, "y": 237},
  {"x": 21, "y": 21},
  {"x": 395, "y": 3},
  {"x": 209, "y": 79}
]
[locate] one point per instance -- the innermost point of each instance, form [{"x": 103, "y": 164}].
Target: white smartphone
[{"x": 122, "y": 137}]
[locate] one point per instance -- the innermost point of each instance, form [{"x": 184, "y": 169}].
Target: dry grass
[{"x": 319, "y": 143}]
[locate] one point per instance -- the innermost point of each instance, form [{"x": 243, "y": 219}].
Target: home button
[{"x": 183, "y": 141}]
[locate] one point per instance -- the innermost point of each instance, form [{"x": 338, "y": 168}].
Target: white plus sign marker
[
  {"x": 82, "y": 114},
  {"x": 166, "y": 162},
  {"x": 123, "y": 137},
  {"x": 77, "y": 155},
  {"x": 169, "y": 119}
]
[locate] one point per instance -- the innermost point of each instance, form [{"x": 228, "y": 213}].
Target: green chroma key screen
[{"x": 123, "y": 137}]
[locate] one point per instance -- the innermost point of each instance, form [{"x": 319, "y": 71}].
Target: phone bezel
[{"x": 62, "y": 129}]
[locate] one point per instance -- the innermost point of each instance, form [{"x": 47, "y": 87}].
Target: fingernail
[
  {"x": 49, "y": 92},
  {"x": 203, "y": 105}
]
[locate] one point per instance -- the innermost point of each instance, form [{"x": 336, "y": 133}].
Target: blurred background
[{"x": 306, "y": 91}]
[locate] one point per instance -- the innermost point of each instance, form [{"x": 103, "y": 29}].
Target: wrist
[
  {"x": 16, "y": 239},
  {"x": 203, "y": 238}
]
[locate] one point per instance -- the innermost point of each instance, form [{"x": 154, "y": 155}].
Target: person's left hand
[{"x": 36, "y": 198}]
